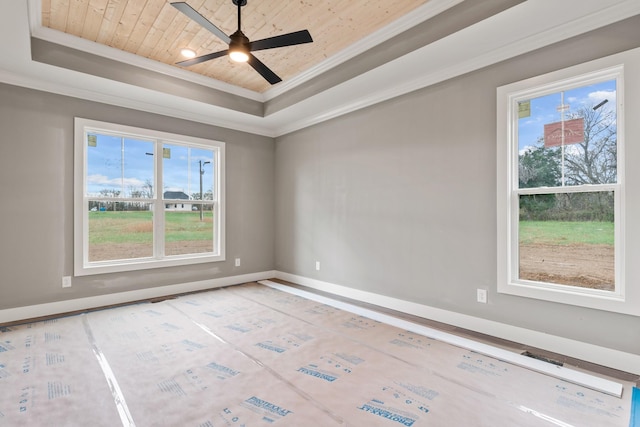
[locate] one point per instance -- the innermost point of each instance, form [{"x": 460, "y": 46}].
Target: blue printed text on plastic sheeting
[
  {"x": 268, "y": 345},
  {"x": 6, "y": 346},
  {"x": 170, "y": 327},
  {"x": 385, "y": 413},
  {"x": 270, "y": 407},
  {"x": 3, "y": 372},
  {"x": 420, "y": 390},
  {"x": 317, "y": 374},
  {"x": 154, "y": 313},
  {"x": 239, "y": 328},
  {"x": 192, "y": 345},
  {"x": 225, "y": 371}
]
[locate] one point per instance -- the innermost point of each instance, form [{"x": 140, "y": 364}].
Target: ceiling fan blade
[
  {"x": 290, "y": 39},
  {"x": 264, "y": 71},
  {"x": 193, "y": 14},
  {"x": 202, "y": 58}
]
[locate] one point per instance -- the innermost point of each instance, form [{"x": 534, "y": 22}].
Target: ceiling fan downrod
[{"x": 239, "y": 3}]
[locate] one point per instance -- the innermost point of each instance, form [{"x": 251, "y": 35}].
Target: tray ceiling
[{"x": 154, "y": 29}]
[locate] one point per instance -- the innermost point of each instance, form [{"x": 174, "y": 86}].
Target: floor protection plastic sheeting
[{"x": 256, "y": 356}]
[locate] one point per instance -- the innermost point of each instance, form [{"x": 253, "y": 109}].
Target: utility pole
[{"x": 201, "y": 173}]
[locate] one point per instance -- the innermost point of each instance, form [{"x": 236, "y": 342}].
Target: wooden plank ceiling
[{"x": 156, "y": 30}]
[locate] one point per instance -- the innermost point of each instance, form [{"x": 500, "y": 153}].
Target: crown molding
[
  {"x": 468, "y": 62},
  {"x": 144, "y": 100},
  {"x": 83, "y": 45},
  {"x": 421, "y": 14},
  {"x": 94, "y": 48},
  {"x": 517, "y": 30}
]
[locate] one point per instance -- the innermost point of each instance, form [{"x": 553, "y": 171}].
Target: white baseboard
[
  {"x": 584, "y": 351},
  {"x": 603, "y": 385},
  {"x": 78, "y": 304},
  {"x": 616, "y": 359}
]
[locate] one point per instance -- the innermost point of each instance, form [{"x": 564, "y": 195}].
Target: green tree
[{"x": 539, "y": 167}]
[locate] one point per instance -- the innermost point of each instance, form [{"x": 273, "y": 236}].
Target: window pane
[
  {"x": 568, "y": 239},
  {"x": 188, "y": 229},
  {"x": 568, "y": 137},
  {"x": 120, "y": 230},
  {"x": 187, "y": 173},
  {"x": 119, "y": 167}
]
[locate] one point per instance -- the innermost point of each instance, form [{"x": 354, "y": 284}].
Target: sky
[
  {"x": 126, "y": 164},
  {"x": 544, "y": 109}
]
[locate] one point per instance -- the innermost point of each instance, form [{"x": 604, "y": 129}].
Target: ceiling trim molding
[
  {"x": 534, "y": 41},
  {"x": 421, "y": 14},
  {"x": 202, "y": 113},
  {"x": 88, "y": 46},
  {"x": 444, "y": 59}
]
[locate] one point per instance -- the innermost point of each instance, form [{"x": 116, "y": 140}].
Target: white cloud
[
  {"x": 104, "y": 181},
  {"x": 601, "y": 95},
  {"x": 592, "y": 99},
  {"x": 525, "y": 149}
]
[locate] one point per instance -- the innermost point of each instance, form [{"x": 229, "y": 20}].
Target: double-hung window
[
  {"x": 561, "y": 186},
  {"x": 145, "y": 199}
]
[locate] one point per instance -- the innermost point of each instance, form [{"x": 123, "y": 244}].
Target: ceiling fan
[{"x": 240, "y": 47}]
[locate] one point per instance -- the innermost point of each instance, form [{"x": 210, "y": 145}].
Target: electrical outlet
[
  {"x": 66, "y": 281},
  {"x": 237, "y": 262},
  {"x": 482, "y": 296},
  {"x": 318, "y": 265}
]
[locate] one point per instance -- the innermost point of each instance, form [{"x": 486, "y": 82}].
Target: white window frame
[
  {"x": 624, "y": 68},
  {"x": 82, "y": 266}
]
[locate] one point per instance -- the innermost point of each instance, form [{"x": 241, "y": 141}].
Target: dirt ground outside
[
  {"x": 114, "y": 251},
  {"x": 587, "y": 266}
]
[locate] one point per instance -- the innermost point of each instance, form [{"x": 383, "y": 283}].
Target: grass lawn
[
  {"x": 566, "y": 232},
  {"x": 137, "y": 227}
]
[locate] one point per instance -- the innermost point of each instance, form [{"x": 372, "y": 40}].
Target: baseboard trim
[
  {"x": 53, "y": 308},
  {"x": 580, "y": 350},
  {"x": 608, "y": 357}
]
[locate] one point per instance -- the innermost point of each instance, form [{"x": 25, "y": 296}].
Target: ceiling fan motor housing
[{"x": 239, "y": 41}]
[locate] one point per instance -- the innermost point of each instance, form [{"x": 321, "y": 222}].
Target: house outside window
[
  {"x": 560, "y": 182},
  {"x": 123, "y": 222}
]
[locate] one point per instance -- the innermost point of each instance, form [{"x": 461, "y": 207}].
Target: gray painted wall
[
  {"x": 397, "y": 199},
  {"x": 36, "y": 176},
  {"x": 400, "y": 199}
]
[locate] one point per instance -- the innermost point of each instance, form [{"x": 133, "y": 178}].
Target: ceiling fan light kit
[
  {"x": 240, "y": 47},
  {"x": 187, "y": 53}
]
